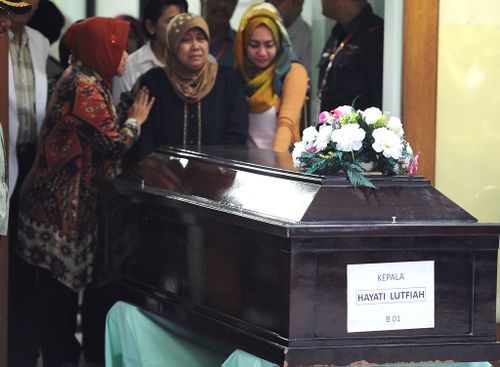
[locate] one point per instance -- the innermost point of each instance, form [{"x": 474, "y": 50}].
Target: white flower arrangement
[{"x": 355, "y": 142}]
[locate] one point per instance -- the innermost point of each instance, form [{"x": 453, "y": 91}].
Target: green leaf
[
  {"x": 358, "y": 179},
  {"x": 355, "y": 175},
  {"x": 317, "y": 166}
]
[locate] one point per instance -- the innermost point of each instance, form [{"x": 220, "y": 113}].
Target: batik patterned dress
[{"x": 80, "y": 140}]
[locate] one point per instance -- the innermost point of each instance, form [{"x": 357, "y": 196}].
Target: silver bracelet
[{"x": 133, "y": 124}]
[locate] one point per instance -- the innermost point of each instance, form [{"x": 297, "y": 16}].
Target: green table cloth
[{"x": 135, "y": 338}]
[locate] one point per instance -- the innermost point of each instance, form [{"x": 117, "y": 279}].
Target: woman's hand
[{"x": 141, "y": 106}]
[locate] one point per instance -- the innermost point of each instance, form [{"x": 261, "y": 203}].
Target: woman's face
[
  {"x": 123, "y": 64},
  {"x": 261, "y": 50},
  {"x": 193, "y": 49}
]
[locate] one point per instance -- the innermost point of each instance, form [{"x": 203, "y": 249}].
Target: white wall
[
  {"x": 467, "y": 136},
  {"x": 112, "y": 8},
  {"x": 73, "y": 10}
]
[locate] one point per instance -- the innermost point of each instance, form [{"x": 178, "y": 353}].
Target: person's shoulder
[
  {"x": 373, "y": 28},
  {"x": 135, "y": 56},
  {"x": 32, "y": 32},
  {"x": 38, "y": 38},
  {"x": 154, "y": 74},
  {"x": 298, "y": 70},
  {"x": 156, "y": 81},
  {"x": 227, "y": 73},
  {"x": 229, "y": 77},
  {"x": 303, "y": 25},
  {"x": 375, "y": 24},
  {"x": 142, "y": 54},
  {"x": 85, "y": 86}
]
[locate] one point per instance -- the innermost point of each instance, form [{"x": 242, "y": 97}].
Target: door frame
[{"x": 419, "y": 80}]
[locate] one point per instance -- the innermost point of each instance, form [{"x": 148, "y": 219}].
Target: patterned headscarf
[
  {"x": 190, "y": 85},
  {"x": 263, "y": 87},
  {"x": 99, "y": 43}
]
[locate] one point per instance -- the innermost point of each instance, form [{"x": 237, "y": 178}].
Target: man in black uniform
[{"x": 352, "y": 60}]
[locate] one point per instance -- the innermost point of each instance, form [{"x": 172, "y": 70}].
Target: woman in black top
[{"x": 197, "y": 102}]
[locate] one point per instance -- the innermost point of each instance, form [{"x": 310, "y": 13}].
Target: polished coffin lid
[
  {"x": 265, "y": 187},
  {"x": 240, "y": 194}
]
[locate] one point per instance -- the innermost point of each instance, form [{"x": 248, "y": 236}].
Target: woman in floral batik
[
  {"x": 81, "y": 139},
  {"x": 276, "y": 84}
]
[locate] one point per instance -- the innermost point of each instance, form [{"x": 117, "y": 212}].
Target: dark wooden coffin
[{"x": 239, "y": 245}]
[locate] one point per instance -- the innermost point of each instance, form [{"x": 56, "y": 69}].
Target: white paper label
[{"x": 390, "y": 296}]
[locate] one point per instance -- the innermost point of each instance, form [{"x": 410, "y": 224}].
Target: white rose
[
  {"x": 371, "y": 115},
  {"x": 349, "y": 137},
  {"x": 387, "y": 143},
  {"x": 298, "y": 148},
  {"x": 395, "y": 125},
  {"x": 309, "y": 135},
  {"x": 344, "y": 110},
  {"x": 324, "y": 137}
]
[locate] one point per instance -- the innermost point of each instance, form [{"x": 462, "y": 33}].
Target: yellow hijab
[
  {"x": 263, "y": 87},
  {"x": 190, "y": 85}
]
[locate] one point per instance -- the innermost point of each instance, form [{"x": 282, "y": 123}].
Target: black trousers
[
  {"x": 42, "y": 318},
  {"x": 95, "y": 306},
  {"x": 42, "y": 311}
]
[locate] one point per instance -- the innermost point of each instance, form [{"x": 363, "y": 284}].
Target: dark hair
[
  {"x": 64, "y": 50},
  {"x": 135, "y": 32},
  {"x": 64, "y": 53},
  {"x": 135, "y": 25},
  {"x": 154, "y": 9},
  {"x": 48, "y": 20}
]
